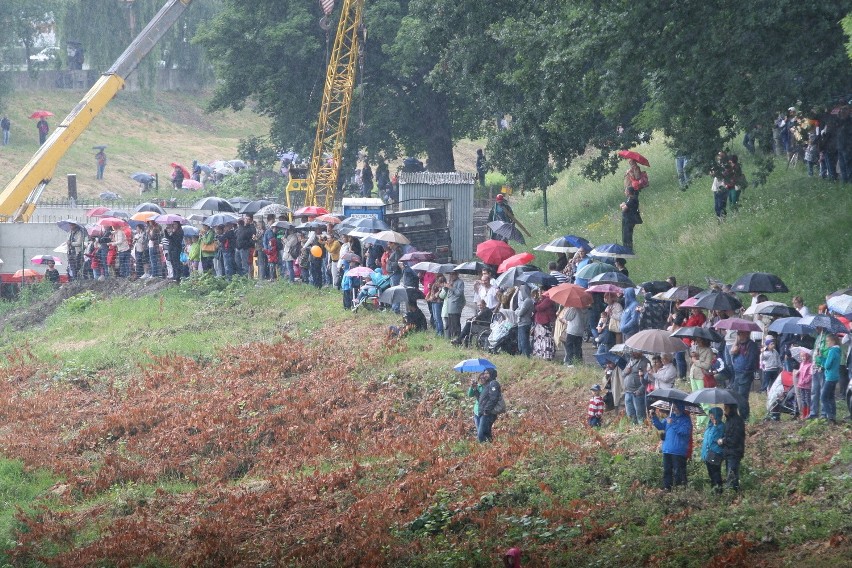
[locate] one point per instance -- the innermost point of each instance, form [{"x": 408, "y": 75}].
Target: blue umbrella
[
  {"x": 578, "y": 242},
  {"x": 832, "y": 324},
  {"x": 604, "y": 358},
  {"x": 789, "y": 325},
  {"x": 474, "y": 366},
  {"x": 66, "y": 224},
  {"x": 190, "y": 231},
  {"x": 612, "y": 250},
  {"x": 221, "y": 219},
  {"x": 840, "y": 304}
]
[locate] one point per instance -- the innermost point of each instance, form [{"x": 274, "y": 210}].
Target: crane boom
[
  {"x": 19, "y": 199},
  {"x": 334, "y": 113}
]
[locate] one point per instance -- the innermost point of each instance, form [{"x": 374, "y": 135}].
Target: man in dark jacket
[
  {"x": 630, "y": 216},
  {"x": 174, "y": 234},
  {"x": 733, "y": 444},
  {"x": 489, "y": 396},
  {"x": 745, "y": 354},
  {"x": 245, "y": 242}
]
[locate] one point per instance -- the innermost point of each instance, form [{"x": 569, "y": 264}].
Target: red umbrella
[
  {"x": 359, "y": 271},
  {"x": 328, "y": 219},
  {"x": 493, "y": 251},
  {"x": 516, "y": 260},
  {"x": 97, "y": 211},
  {"x": 185, "y": 171},
  {"x": 26, "y": 273},
  {"x": 570, "y": 296},
  {"x": 310, "y": 211},
  {"x": 112, "y": 222},
  {"x": 41, "y": 114},
  {"x": 635, "y": 156}
]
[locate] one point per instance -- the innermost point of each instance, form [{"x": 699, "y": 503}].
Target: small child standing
[
  {"x": 596, "y": 407},
  {"x": 812, "y": 153},
  {"x": 803, "y": 387},
  {"x": 770, "y": 364}
]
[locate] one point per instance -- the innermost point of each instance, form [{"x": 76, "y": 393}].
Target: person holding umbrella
[
  {"x": 43, "y": 128},
  {"x": 51, "y": 274},
  {"x": 490, "y": 404},
  {"x": 636, "y": 379},
  {"x": 75, "y": 244},
  {"x": 174, "y": 235},
  {"x": 744, "y": 358},
  {"x": 711, "y": 451},
  {"x": 678, "y": 429}
]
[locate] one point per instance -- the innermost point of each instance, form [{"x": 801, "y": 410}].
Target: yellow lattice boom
[{"x": 334, "y": 113}]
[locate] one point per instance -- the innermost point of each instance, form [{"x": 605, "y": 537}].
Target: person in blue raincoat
[
  {"x": 630, "y": 315},
  {"x": 710, "y": 446},
  {"x": 678, "y": 429}
]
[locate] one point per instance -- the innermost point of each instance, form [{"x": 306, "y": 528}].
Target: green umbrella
[{"x": 593, "y": 269}]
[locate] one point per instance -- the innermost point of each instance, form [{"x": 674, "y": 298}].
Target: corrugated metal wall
[{"x": 457, "y": 188}]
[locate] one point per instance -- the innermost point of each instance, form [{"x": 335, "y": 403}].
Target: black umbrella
[
  {"x": 671, "y": 395},
  {"x": 712, "y": 396},
  {"x": 507, "y": 231},
  {"x": 99, "y": 147},
  {"x": 679, "y": 293},
  {"x": 718, "y": 301},
  {"x": 655, "y": 286},
  {"x": 150, "y": 207},
  {"x": 213, "y": 204},
  {"x": 142, "y": 178},
  {"x": 779, "y": 311},
  {"x": 703, "y": 332},
  {"x": 473, "y": 267},
  {"x": 253, "y": 207},
  {"x": 400, "y": 295},
  {"x": 238, "y": 201},
  {"x": 759, "y": 282},
  {"x": 539, "y": 279}
]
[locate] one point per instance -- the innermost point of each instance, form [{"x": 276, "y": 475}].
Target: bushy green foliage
[
  {"x": 80, "y": 302},
  {"x": 249, "y": 183},
  {"x": 257, "y": 151}
]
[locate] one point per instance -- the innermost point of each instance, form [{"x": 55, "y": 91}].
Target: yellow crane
[
  {"x": 321, "y": 184},
  {"x": 19, "y": 199}
]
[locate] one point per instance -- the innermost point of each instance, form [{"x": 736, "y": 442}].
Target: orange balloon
[{"x": 316, "y": 251}]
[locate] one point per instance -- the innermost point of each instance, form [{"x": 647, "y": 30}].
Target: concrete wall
[{"x": 19, "y": 242}]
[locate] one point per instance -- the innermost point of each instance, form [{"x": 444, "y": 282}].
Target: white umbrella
[
  {"x": 756, "y": 308},
  {"x": 391, "y": 237},
  {"x": 63, "y": 249}
]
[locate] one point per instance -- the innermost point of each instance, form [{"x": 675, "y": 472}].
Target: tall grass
[{"x": 794, "y": 226}]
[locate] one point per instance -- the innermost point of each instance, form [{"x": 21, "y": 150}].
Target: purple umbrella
[
  {"x": 737, "y": 324},
  {"x": 170, "y": 218}
]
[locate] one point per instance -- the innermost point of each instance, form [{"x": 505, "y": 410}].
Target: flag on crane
[{"x": 327, "y": 6}]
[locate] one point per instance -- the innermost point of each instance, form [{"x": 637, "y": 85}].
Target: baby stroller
[
  {"x": 781, "y": 397},
  {"x": 503, "y": 336},
  {"x": 368, "y": 297}
]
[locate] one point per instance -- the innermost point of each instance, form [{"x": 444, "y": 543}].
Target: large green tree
[
  {"x": 274, "y": 54},
  {"x": 590, "y": 75},
  {"x": 106, "y": 27}
]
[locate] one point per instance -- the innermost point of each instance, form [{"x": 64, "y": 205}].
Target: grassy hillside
[
  {"x": 243, "y": 425},
  {"x": 143, "y": 132},
  {"x": 794, "y": 226}
]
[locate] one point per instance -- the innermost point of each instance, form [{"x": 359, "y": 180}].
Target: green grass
[
  {"x": 18, "y": 488},
  {"x": 142, "y": 132},
  {"x": 794, "y": 226}
]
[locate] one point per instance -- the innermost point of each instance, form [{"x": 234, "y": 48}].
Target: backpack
[{"x": 500, "y": 407}]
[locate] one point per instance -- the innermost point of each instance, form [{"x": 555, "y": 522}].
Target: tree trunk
[{"x": 438, "y": 135}]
